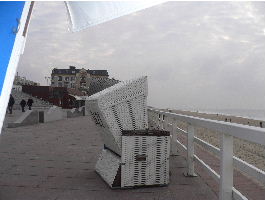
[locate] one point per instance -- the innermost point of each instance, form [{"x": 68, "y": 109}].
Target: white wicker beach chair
[
  {"x": 117, "y": 108},
  {"x": 123, "y": 107}
]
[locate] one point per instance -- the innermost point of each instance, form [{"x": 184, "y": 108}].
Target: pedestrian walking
[
  {"x": 11, "y": 103},
  {"x": 23, "y": 104},
  {"x": 29, "y": 103}
]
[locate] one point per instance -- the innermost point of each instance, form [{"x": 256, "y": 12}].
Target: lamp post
[{"x": 47, "y": 78}]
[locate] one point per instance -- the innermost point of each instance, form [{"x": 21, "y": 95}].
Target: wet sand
[{"x": 247, "y": 151}]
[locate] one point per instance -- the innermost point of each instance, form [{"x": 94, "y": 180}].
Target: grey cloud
[{"x": 196, "y": 54}]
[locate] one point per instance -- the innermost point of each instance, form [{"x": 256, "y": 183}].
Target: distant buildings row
[
  {"x": 79, "y": 79},
  {"x": 23, "y": 81},
  {"x": 68, "y": 86},
  {"x": 75, "y": 78}
]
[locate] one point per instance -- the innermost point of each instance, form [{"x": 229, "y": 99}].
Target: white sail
[
  {"x": 86, "y": 14},
  {"x": 14, "y": 21}
]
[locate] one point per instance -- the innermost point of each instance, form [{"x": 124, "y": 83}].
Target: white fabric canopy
[{"x": 85, "y": 14}]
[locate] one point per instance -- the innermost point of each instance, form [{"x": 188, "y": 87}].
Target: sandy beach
[{"x": 247, "y": 151}]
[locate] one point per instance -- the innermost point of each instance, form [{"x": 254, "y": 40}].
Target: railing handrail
[
  {"x": 245, "y": 132},
  {"x": 247, "y": 168},
  {"x": 227, "y": 130}
]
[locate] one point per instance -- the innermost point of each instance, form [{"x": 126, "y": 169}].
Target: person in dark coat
[
  {"x": 23, "y": 104},
  {"x": 29, "y": 103},
  {"x": 11, "y": 103}
]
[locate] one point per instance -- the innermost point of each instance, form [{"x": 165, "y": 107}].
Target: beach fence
[{"x": 169, "y": 121}]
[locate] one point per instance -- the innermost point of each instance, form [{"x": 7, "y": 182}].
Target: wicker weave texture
[
  {"x": 153, "y": 119},
  {"x": 98, "y": 84},
  {"x": 120, "y": 107},
  {"x": 145, "y": 160},
  {"x": 107, "y": 166}
]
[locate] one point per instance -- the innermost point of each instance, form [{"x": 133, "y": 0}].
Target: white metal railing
[{"x": 227, "y": 131}]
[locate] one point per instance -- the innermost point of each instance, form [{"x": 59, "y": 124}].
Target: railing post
[
  {"x": 168, "y": 125},
  {"x": 190, "y": 151},
  {"x": 164, "y": 123},
  {"x": 158, "y": 121},
  {"x": 226, "y": 173},
  {"x": 153, "y": 118},
  {"x": 173, "y": 133},
  {"x": 168, "y": 122}
]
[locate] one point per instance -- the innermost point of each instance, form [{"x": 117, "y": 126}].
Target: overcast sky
[{"x": 197, "y": 55}]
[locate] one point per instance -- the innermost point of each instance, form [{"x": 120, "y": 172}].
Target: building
[
  {"x": 18, "y": 81},
  {"x": 60, "y": 96},
  {"x": 75, "y": 78}
]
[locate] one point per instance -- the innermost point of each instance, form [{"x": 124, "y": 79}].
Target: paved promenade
[
  {"x": 11, "y": 118},
  {"x": 56, "y": 161}
]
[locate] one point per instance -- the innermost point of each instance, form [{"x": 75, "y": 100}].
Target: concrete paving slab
[{"x": 56, "y": 161}]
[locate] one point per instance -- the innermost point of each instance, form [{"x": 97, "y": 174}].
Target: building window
[
  {"x": 60, "y": 85},
  {"x": 60, "y": 78},
  {"x": 67, "y": 78},
  {"x": 83, "y": 85},
  {"x": 72, "y": 78}
]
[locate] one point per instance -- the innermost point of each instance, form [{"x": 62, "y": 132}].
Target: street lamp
[{"x": 47, "y": 78}]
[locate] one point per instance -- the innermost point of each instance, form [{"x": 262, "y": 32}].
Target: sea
[{"x": 257, "y": 114}]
